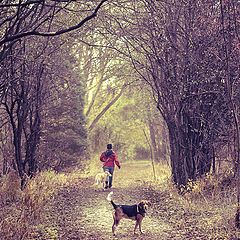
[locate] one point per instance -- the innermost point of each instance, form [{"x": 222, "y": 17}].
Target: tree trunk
[
  {"x": 177, "y": 161},
  {"x": 151, "y": 154},
  {"x": 153, "y": 141},
  {"x": 31, "y": 148},
  {"x": 95, "y": 121},
  {"x": 191, "y": 154}
]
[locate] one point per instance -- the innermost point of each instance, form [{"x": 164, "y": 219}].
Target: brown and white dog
[
  {"x": 101, "y": 178},
  {"x": 135, "y": 212}
]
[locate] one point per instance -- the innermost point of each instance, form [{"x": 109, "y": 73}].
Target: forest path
[{"x": 81, "y": 211}]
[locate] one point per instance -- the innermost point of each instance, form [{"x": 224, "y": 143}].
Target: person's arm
[
  {"x": 117, "y": 161},
  {"x": 102, "y": 157}
]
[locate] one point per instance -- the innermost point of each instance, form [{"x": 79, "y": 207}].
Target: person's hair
[{"x": 109, "y": 146}]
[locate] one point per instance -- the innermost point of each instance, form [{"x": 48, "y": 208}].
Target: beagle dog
[
  {"x": 102, "y": 178},
  {"x": 135, "y": 212}
]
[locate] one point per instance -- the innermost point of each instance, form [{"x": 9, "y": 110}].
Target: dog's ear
[
  {"x": 140, "y": 204},
  {"x": 145, "y": 202}
]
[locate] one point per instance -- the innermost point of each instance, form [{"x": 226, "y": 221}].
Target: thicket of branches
[
  {"x": 42, "y": 97},
  {"x": 188, "y": 52}
]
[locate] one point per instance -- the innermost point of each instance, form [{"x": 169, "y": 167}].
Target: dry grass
[
  {"x": 20, "y": 210},
  {"x": 206, "y": 210}
]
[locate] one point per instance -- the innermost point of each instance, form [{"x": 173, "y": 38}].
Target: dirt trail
[{"x": 81, "y": 211}]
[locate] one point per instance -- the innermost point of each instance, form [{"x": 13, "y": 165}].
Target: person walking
[{"x": 109, "y": 159}]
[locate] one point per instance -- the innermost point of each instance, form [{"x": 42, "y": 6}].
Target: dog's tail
[{"x": 109, "y": 198}]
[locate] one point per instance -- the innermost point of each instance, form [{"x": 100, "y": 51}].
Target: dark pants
[{"x": 109, "y": 179}]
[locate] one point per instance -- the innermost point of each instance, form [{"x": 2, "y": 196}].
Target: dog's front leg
[
  {"x": 140, "y": 225},
  {"x": 136, "y": 225},
  {"x": 139, "y": 219}
]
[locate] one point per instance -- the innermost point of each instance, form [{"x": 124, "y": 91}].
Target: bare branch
[{"x": 51, "y": 34}]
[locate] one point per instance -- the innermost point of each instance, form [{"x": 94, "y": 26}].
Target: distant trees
[
  {"x": 109, "y": 80},
  {"x": 63, "y": 132},
  {"x": 106, "y": 83}
]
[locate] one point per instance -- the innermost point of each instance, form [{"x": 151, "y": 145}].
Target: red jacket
[{"x": 109, "y": 159}]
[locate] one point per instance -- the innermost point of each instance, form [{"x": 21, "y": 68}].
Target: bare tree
[{"x": 23, "y": 101}]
